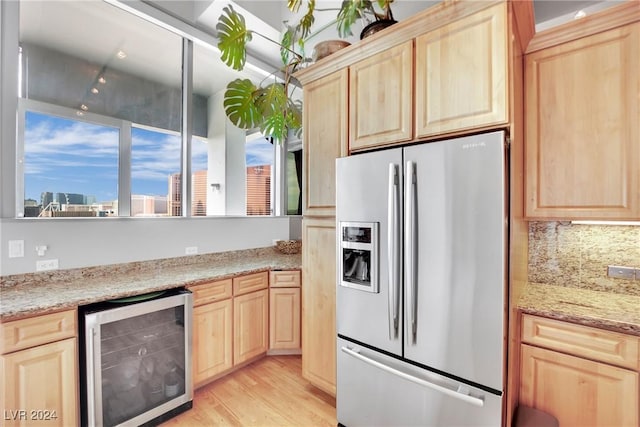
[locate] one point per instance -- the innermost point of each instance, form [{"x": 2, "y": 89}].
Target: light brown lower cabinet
[
  {"x": 284, "y": 319},
  {"x": 250, "y": 325},
  {"x": 580, "y": 389},
  {"x": 284, "y": 312},
  {"x": 212, "y": 340},
  {"x": 40, "y": 382}
]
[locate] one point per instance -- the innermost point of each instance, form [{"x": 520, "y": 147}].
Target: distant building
[
  {"x": 69, "y": 198},
  {"x": 174, "y": 197},
  {"x": 46, "y": 197},
  {"x": 199, "y": 193},
  {"x": 142, "y": 205},
  {"x": 259, "y": 190}
]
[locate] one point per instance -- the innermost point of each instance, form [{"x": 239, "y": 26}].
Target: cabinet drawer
[
  {"x": 25, "y": 333},
  {"x": 591, "y": 343},
  {"x": 249, "y": 283},
  {"x": 284, "y": 279},
  {"x": 209, "y": 292}
]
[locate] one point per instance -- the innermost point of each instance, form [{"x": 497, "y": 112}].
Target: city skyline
[{"x": 70, "y": 156}]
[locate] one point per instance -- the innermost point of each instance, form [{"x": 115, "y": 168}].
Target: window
[
  {"x": 70, "y": 167},
  {"x": 100, "y": 123},
  {"x": 155, "y": 164},
  {"x": 294, "y": 182},
  {"x": 259, "y": 175}
]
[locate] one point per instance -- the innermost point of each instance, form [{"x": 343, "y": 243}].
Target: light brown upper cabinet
[
  {"x": 380, "y": 98},
  {"x": 325, "y": 139},
  {"x": 582, "y": 127},
  {"x": 462, "y": 74}
]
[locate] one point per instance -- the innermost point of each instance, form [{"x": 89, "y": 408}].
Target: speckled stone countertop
[
  {"x": 39, "y": 293},
  {"x": 606, "y": 310}
]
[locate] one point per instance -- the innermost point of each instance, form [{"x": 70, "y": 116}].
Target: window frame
[{"x": 124, "y": 147}]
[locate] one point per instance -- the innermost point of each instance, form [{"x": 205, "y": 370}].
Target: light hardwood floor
[{"x": 268, "y": 392}]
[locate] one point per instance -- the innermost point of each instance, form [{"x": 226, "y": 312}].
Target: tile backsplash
[{"x": 572, "y": 255}]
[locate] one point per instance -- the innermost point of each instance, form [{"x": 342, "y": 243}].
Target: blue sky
[{"x": 70, "y": 156}]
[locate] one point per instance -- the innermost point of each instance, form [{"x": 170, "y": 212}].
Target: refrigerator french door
[{"x": 422, "y": 256}]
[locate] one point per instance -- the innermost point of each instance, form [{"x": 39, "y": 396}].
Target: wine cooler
[{"x": 136, "y": 359}]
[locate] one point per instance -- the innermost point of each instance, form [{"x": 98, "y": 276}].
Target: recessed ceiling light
[
  {"x": 83, "y": 107},
  {"x": 95, "y": 90},
  {"x": 79, "y": 113},
  {"x": 102, "y": 80},
  {"x": 121, "y": 54},
  {"x": 580, "y": 14}
]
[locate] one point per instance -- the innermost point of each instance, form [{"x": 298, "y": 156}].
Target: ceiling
[{"x": 86, "y": 29}]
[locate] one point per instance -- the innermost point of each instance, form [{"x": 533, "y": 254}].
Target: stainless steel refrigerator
[{"x": 421, "y": 293}]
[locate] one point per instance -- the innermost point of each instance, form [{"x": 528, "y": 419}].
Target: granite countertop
[
  {"x": 40, "y": 293},
  {"x": 606, "y": 310}
]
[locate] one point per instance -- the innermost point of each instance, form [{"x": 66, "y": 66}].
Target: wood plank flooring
[{"x": 268, "y": 392}]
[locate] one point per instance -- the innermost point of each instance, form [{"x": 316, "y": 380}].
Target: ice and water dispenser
[{"x": 358, "y": 266}]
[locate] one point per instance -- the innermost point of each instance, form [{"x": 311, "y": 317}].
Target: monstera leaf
[
  {"x": 350, "y": 12},
  {"x": 234, "y": 36},
  {"x": 239, "y": 104},
  {"x": 271, "y": 98},
  {"x": 286, "y": 43},
  {"x": 272, "y": 102}
]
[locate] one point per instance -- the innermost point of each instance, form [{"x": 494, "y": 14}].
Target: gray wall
[{"x": 85, "y": 242}]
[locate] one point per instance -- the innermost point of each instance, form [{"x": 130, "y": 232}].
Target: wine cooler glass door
[{"x": 141, "y": 361}]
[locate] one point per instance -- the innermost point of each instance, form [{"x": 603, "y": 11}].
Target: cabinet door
[
  {"x": 251, "y": 327},
  {"x": 582, "y": 133},
  {"x": 380, "y": 98},
  {"x": 319, "y": 303},
  {"x": 461, "y": 74},
  {"x": 284, "y": 318},
  {"x": 325, "y": 139},
  {"x": 578, "y": 392},
  {"x": 212, "y": 340},
  {"x": 40, "y": 385}
]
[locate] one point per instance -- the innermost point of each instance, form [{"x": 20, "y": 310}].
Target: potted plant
[
  {"x": 352, "y": 10},
  {"x": 269, "y": 105}
]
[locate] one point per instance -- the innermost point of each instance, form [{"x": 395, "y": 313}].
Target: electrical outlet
[
  {"x": 16, "y": 248},
  {"x": 47, "y": 264},
  {"x": 621, "y": 272},
  {"x": 191, "y": 250}
]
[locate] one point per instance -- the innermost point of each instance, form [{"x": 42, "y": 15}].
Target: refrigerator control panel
[{"x": 358, "y": 256}]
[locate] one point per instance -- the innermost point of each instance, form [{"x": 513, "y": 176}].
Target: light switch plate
[
  {"x": 621, "y": 272},
  {"x": 16, "y": 248}
]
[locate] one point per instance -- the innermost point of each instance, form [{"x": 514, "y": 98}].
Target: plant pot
[
  {"x": 376, "y": 26},
  {"x": 327, "y": 47}
]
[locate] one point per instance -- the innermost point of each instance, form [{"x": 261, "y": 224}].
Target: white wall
[{"x": 85, "y": 242}]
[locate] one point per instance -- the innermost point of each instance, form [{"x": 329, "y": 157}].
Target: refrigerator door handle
[
  {"x": 393, "y": 250},
  {"x": 410, "y": 247},
  {"x": 461, "y": 395}
]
